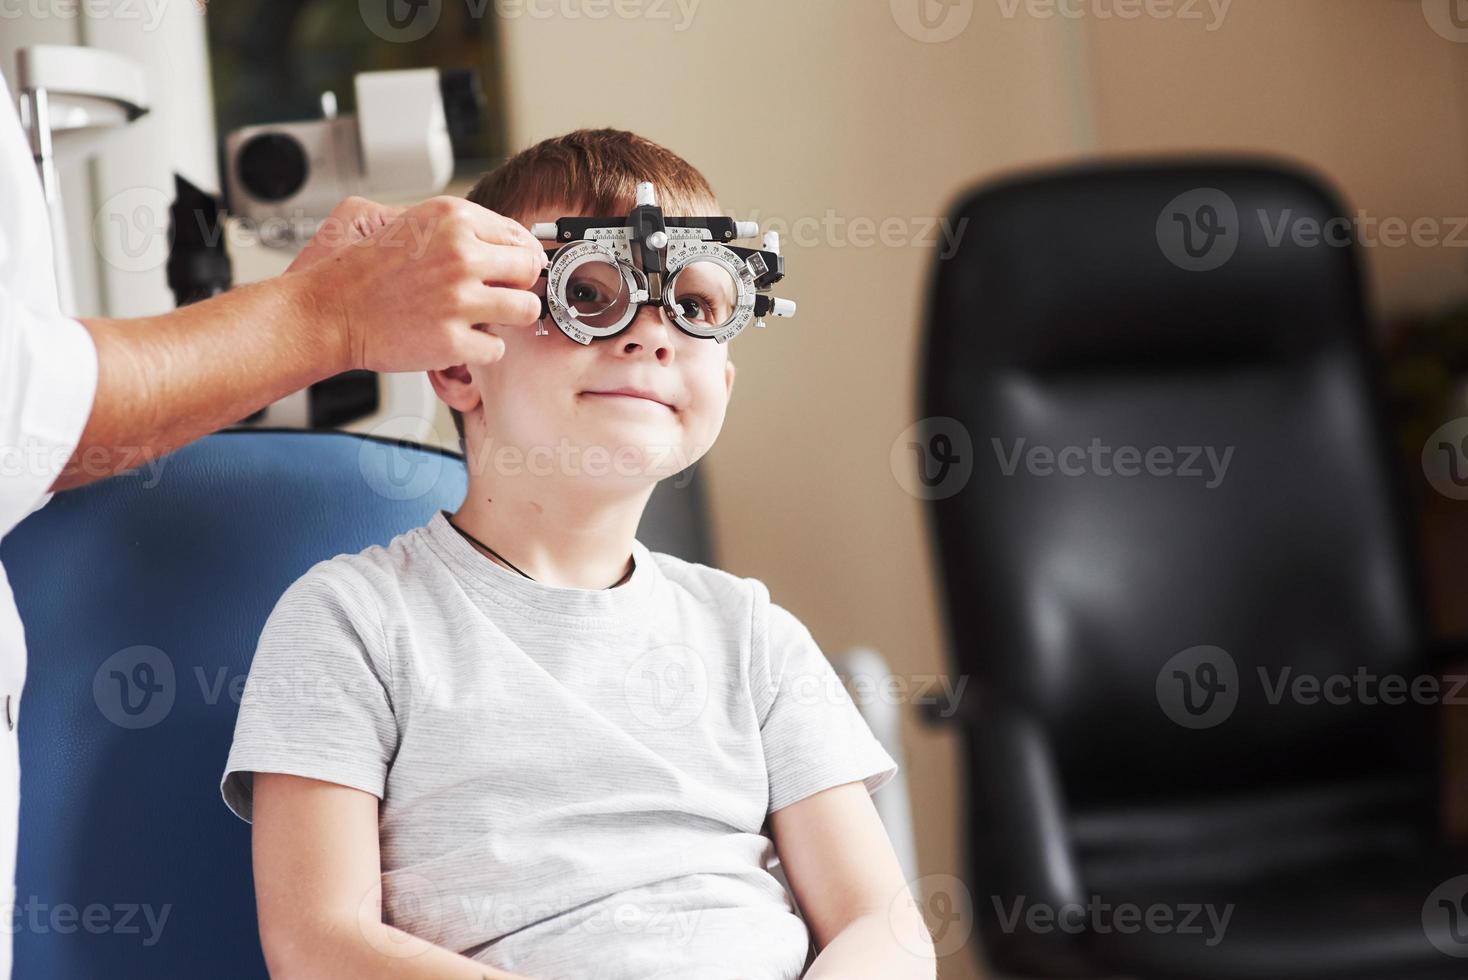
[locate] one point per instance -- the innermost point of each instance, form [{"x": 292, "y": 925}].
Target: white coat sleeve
[{"x": 48, "y": 378}]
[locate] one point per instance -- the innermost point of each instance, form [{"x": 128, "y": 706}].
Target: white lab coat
[{"x": 48, "y": 377}]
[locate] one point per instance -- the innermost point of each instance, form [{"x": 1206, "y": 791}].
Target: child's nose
[{"x": 649, "y": 331}]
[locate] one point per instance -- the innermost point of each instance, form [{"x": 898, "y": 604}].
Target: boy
[{"x": 514, "y": 742}]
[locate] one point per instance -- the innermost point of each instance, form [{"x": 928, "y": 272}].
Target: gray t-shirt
[{"x": 574, "y": 782}]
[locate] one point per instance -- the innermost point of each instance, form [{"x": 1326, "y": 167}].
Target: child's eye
[
  {"x": 693, "y": 307},
  {"x": 705, "y": 293}
]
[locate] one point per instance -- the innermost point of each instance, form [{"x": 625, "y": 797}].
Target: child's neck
[{"x": 571, "y": 534}]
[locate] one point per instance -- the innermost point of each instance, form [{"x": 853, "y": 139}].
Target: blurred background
[{"x": 855, "y": 129}]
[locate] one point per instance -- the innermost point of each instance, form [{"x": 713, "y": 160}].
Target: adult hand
[
  {"x": 412, "y": 290},
  {"x": 421, "y": 290},
  {"x": 350, "y": 221}
]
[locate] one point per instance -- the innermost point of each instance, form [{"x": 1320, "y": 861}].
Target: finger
[
  {"x": 509, "y": 265},
  {"x": 350, "y": 221},
  {"x": 537, "y": 241},
  {"x": 490, "y": 226},
  {"x": 503, "y": 305},
  {"x": 370, "y": 220},
  {"x": 479, "y": 347}
]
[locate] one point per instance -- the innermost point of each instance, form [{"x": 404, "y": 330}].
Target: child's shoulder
[
  {"x": 710, "y": 584},
  {"x": 372, "y": 573}
]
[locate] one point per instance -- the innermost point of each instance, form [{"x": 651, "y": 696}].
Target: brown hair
[{"x": 591, "y": 172}]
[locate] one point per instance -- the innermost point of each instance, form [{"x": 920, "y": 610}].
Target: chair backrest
[
  {"x": 1181, "y": 485},
  {"x": 143, "y": 596}
]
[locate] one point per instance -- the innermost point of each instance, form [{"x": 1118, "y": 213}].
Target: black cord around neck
[{"x": 471, "y": 538}]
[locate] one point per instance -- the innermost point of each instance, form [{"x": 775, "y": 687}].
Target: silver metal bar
[{"x": 36, "y": 117}]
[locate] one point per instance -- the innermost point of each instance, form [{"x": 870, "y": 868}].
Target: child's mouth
[{"x": 633, "y": 394}]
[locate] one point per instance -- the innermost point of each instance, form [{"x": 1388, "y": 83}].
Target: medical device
[
  {"x": 606, "y": 269},
  {"x": 70, "y": 99},
  {"x": 284, "y": 178}
]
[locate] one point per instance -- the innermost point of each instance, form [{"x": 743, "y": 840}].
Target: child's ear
[
  {"x": 728, "y": 379},
  {"x": 455, "y": 386}
]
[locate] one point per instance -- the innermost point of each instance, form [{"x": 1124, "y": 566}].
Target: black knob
[
  {"x": 198, "y": 262},
  {"x": 463, "y": 106},
  {"x": 272, "y": 166}
]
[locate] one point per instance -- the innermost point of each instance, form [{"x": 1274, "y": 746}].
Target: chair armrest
[
  {"x": 1020, "y": 852},
  {"x": 943, "y": 709}
]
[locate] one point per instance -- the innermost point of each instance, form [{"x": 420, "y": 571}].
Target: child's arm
[
  {"x": 318, "y": 890},
  {"x": 850, "y": 889}
]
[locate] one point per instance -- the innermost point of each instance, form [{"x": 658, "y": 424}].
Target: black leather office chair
[{"x": 1115, "y": 611}]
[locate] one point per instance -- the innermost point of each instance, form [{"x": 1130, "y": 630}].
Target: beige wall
[
  {"x": 1362, "y": 90},
  {"x": 794, "y": 109}
]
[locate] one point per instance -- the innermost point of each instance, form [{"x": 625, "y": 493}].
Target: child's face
[{"x": 550, "y": 398}]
